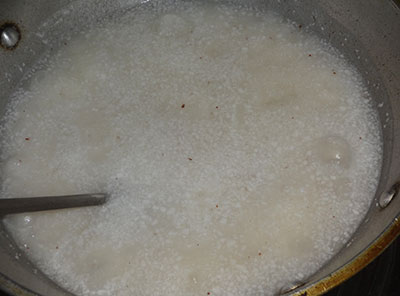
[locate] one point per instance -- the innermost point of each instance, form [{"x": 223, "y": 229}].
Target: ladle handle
[{"x": 44, "y": 203}]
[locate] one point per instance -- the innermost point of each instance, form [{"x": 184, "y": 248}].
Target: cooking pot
[{"x": 366, "y": 32}]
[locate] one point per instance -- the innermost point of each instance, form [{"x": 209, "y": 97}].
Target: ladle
[{"x": 44, "y": 203}]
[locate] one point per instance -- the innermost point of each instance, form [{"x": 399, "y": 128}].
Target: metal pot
[{"x": 366, "y": 32}]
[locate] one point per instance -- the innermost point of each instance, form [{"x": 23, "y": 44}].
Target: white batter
[{"x": 240, "y": 154}]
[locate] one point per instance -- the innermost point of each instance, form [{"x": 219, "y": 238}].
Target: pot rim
[{"x": 356, "y": 264}]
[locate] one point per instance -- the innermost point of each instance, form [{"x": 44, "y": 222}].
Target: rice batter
[{"x": 240, "y": 154}]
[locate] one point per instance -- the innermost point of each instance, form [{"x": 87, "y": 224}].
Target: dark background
[{"x": 380, "y": 278}]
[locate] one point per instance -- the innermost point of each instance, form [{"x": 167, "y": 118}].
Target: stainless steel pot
[{"x": 366, "y": 32}]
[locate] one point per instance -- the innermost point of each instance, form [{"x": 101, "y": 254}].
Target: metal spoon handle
[{"x": 44, "y": 203}]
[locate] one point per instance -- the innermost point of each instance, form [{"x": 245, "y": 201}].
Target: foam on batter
[{"x": 240, "y": 154}]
